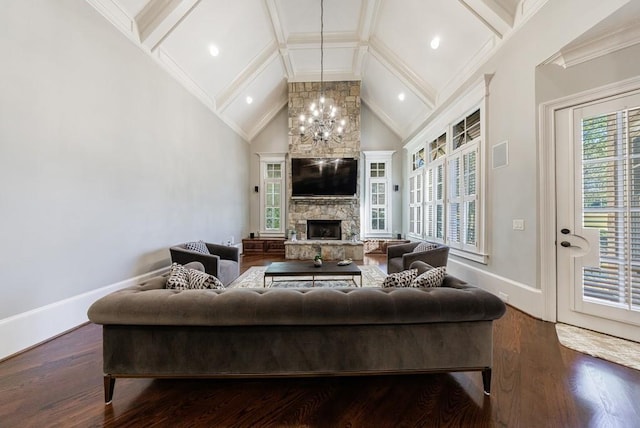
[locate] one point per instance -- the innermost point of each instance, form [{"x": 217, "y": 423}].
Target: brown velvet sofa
[{"x": 150, "y": 331}]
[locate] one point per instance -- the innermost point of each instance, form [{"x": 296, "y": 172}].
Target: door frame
[{"x": 547, "y": 183}]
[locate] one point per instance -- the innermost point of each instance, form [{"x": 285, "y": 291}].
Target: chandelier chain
[{"x": 322, "y": 47}]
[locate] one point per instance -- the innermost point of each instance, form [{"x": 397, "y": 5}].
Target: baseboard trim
[
  {"x": 521, "y": 296},
  {"x": 28, "y": 329}
]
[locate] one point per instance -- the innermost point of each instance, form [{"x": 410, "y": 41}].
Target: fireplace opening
[{"x": 324, "y": 229}]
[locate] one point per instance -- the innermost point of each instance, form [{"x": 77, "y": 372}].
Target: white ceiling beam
[
  {"x": 366, "y": 25},
  {"x": 159, "y": 18},
  {"x": 396, "y": 66},
  {"x": 278, "y": 32},
  {"x": 329, "y": 76},
  {"x": 331, "y": 40},
  {"x": 491, "y": 14},
  {"x": 247, "y": 76},
  {"x": 368, "y": 19}
]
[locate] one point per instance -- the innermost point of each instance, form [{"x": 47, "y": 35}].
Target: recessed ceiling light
[
  {"x": 249, "y": 100},
  {"x": 401, "y": 96},
  {"x": 213, "y": 50},
  {"x": 435, "y": 42}
]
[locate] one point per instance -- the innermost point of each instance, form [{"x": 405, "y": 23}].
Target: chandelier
[{"x": 321, "y": 125}]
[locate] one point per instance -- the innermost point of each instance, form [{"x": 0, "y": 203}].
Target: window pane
[{"x": 470, "y": 231}]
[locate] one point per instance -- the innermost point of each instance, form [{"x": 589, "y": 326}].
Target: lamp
[{"x": 321, "y": 125}]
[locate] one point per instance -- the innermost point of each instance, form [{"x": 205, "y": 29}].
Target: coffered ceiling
[{"x": 262, "y": 44}]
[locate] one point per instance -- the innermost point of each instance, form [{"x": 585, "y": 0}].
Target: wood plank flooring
[{"x": 536, "y": 383}]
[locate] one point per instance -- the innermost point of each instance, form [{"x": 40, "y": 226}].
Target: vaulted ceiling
[{"x": 263, "y": 44}]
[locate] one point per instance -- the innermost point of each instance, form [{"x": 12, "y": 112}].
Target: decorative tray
[{"x": 344, "y": 262}]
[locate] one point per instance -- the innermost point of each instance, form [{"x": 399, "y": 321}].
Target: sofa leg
[
  {"x": 109, "y": 385},
  {"x": 486, "y": 380}
]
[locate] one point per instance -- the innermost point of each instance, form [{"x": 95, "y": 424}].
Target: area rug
[
  {"x": 372, "y": 276},
  {"x": 620, "y": 351}
]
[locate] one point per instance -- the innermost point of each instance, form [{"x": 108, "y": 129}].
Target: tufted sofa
[{"x": 150, "y": 331}]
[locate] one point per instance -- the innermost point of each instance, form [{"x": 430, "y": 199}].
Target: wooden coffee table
[{"x": 306, "y": 268}]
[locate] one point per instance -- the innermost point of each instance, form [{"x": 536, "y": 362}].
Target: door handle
[{"x": 565, "y": 244}]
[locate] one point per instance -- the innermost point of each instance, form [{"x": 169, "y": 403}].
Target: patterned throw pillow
[
  {"x": 400, "y": 279},
  {"x": 425, "y": 246},
  {"x": 182, "y": 278},
  {"x": 431, "y": 278},
  {"x": 199, "y": 279},
  {"x": 198, "y": 246},
  {"x": 178, "y": 277}
]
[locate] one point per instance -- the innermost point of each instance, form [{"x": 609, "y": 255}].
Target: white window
[
  {"x": 272, "y": 200},
  {"x": 415, "y": 193},
  {"x": 377, "y": 196},
  {"x": 434, "y": 190},
  {"x": 451, "y": 210}
]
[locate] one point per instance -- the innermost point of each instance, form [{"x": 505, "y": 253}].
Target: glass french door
[{"x": 598, "y": 217}]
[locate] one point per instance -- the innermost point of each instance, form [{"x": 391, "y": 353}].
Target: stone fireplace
[
  {"x": 346, "y": 210},
  {"x": 334, "y": 219},
  {"x": 324, "y": 229}
]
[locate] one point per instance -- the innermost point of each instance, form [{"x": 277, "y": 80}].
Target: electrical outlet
[
  {"x": 518, "y": 224},
  {"x": 503, "y": 296}
]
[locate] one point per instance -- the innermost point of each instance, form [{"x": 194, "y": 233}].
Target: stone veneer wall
[{"x": 346, "y": 97}]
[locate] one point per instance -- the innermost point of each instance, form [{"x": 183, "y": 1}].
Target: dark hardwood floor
[{"x": 536, "y": 383}]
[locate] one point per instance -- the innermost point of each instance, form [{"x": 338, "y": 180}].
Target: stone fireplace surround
[{"x": 346, "y": 97}]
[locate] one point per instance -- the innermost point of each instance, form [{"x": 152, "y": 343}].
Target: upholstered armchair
[
  {"x": 400, "y": 257},
  {"x": 223, "y": 262}
]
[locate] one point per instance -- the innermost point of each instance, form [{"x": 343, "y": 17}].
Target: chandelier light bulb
[
  {"x": 302, "y": 118},
  {"x": 310, "y": 120},
  {"x": 301, "y": 129},
  {"x": 321, "y": 100},
  {"x": 343, "y": 122},
  {"x": 339, "y": 129},
  {"x": 312, "y": 107}
]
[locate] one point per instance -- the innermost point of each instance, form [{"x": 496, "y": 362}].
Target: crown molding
[{"x": 597, "y": 47}]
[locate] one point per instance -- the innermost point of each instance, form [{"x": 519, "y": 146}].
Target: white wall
[
  {"x": 274, "y": 138},
  {"x": 105, "y": 161}
]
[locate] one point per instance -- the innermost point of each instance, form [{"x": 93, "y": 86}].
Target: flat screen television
[{"x": 324, "y": 176}]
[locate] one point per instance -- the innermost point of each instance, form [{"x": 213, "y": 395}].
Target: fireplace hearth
[{"x": 324, "y": 229}]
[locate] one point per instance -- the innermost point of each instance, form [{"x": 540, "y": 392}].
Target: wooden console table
[{"x": 263, "y": 246}]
